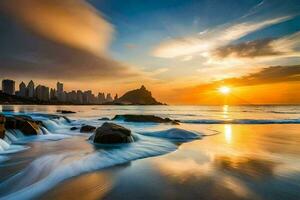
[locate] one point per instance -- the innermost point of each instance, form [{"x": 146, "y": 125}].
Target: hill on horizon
[{"x": 140, "y": 96}]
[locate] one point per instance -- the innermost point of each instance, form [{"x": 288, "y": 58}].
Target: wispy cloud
[
  {"x": 203, "y": 44},
  {"x": 287, "y": 46}
]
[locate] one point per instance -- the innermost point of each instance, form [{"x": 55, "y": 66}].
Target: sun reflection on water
[
  {"x": 225, "y": 111},
  {"x": 228, "y": 133}
]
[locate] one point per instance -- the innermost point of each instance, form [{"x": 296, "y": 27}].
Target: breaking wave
[
  {"x": 174, "y": 134},
  {"x": 47, "y": 171}
]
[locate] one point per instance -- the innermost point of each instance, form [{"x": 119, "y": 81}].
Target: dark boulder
[
  {"x": 73, "y": 128},
  {"x": 2, "y": 126},
  {"x": 67, "y": 119},
  {"x": 87, "y": 129},
  {"x": 29, "y": 128},
  {"x": 24, "y": 124},
  {"x": 110, "y": 133},
  {"x": 65, "y": 111},
  {"x": 145, "y": 118},
  {"x": 104, "y": 119}
]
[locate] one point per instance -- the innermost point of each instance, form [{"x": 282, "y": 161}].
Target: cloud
[
  {"x": 268, "y": 75},
  {"x": 250, "y": 49},
  {"x": 56, "y": 39},
  {"x": 72, "y": 22},
  {"x": 210, "y": 40},
  {"x": 282, "y": 47}
]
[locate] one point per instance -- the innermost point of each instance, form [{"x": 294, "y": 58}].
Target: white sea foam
[
  {"x": 174, "y": 134},
  {"x": 47, "y": 171},
  {"x": 6, "y": 148},
  {"x": 3, "y": 145}
]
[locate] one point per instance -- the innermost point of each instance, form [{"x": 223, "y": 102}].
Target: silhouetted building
[
  {"x": 8, "y": 87},
  {"x": 109, "y": 98},
  {"x": 87, "y": 97},
  {"x": 101, "y": 97},
  {"x": 22, "y": 89},
  {"x": 30, "y": 89},
  {"x": 79, "y": 97},
  {"x": 60, "y": 91},
  {"x": 42, "y": 93},
  {"x": 53, "y": 94},
  {"x": 116, "y": 97},
  {"x": 72, "y": 97}
]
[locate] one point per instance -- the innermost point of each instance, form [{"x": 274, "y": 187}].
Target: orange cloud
[{"x": 71, "y": 22}]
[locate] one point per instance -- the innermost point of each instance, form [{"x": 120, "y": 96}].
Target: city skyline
[{"x": 58, "y": 94}]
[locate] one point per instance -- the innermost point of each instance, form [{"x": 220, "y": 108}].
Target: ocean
[{"x": 217, "y": 152}]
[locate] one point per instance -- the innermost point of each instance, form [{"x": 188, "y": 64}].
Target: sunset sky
[{"x": 181, "y": 50}]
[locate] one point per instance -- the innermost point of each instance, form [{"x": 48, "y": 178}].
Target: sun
[{"x": 224, "y": 90}]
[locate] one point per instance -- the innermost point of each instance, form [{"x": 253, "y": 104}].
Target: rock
[
  {"x": 73, "y": 128},
  {"x": 145, "y": 118},
  {"x": 67, "y": 119},
  {"x": 65, "y": 111},
  {"x": 29, "y": 128},
  {"x": 2, "y": 126},
  {"x": 87, "y": 129},
  {"x": 24, "y": 124},
  {"x": 110, "y": 133},
  {"x": 104, "y": 119}
]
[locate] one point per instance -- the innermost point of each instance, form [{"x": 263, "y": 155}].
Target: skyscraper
[
  {"x": 30, "y": 89},
  {"x": 22, "y": 89},
  {"x": 101, "y": 97},
  {"x": 79, "y": 97},
  {"x": 8, "y": 86},
  {"x": 60, "y": 91},
  {"x": 52, "y": 94},
  {"x": 42, "y": 93},
  {"x": 109, "y": 98}
]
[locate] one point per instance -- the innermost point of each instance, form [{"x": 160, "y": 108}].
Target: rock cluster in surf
[
  {"x": 145, "y": 118},
  {"x": 26, "y": 124}
]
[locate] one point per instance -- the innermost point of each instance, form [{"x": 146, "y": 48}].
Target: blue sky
[{"x": 144, "y": 24}]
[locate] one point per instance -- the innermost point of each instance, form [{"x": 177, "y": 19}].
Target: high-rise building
[
  {"x": 60, "y": 91},
  {"x": 22, "y": 89},
  {"x": 109, "y": 98},
  {"x": 87, "y": 97},
  {"x": 42, "y": 93},
  {"x": 30, "y": 89},
  {"x": 101, "y": 97},
  {"x": 79, "y": 97},
  {"x": 72, "y": 97},
  {"x": 52, "y": 94},
  {"x": 8, "y": 86}
]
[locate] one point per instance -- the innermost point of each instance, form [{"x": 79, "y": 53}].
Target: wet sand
[{"x": 241, "y": 162}]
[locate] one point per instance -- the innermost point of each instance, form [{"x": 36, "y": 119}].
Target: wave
[
  {"x": 174, "y": 134},
  {"x": 243, "y": 121},
  {"x": 285, "y": 112},
  {"x": 7, "y": 148},
  {"x": 47, "y": 171}
]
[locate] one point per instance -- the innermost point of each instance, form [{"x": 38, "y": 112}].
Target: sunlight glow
[
  {"x": 225, "y": 111},
  {"x": 228, "y": 133},
  {"x": 224, "y": 90}
]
